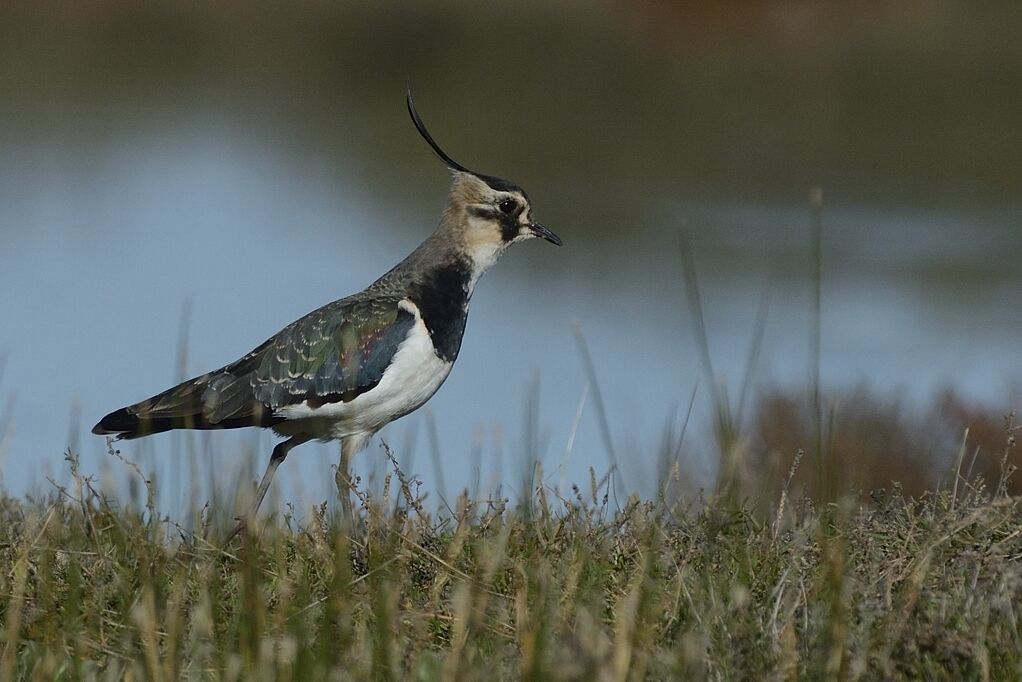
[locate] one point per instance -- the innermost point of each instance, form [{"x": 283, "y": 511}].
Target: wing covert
[{"x": 332, "y": 355}]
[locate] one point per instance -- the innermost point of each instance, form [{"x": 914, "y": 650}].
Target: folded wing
[{"x": 333, "y": 354}]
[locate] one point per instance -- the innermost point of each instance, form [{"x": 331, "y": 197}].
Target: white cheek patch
[{"x": 483, "y": 243}]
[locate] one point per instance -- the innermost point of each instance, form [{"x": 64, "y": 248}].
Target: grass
[{"x": 883, "y": 586}]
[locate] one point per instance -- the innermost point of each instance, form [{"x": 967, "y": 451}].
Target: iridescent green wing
[{"x": 333, "y": 354}]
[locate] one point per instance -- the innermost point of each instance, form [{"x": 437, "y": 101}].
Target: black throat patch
[{"x": 441, "y": 295}]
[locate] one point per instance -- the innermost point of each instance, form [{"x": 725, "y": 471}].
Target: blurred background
[{"x": 178, "y": 180}]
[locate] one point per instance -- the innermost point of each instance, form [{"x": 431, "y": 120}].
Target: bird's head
[{"x": 486, "y": 213}]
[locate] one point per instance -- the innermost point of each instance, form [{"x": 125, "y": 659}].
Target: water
[
  {"x": 249, "y": 166},
  {"x": 104, "y": 254}
]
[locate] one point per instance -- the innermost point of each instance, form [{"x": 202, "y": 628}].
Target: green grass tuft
[{"x": 885, "y": 587}]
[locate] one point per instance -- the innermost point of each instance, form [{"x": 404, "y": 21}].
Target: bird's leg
[
  {"x": 344, "y": 486},
  {"x": 278, "y": 456}
]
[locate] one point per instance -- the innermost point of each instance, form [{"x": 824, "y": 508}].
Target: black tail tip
[{"x": 118, "y": 423}]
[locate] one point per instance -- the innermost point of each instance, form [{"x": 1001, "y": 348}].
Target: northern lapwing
[{"x": 346, "y": 370}]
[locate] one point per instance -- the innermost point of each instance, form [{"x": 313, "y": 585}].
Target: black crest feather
[
  {"x": 421, "y": 127},
  {"x": 494, "y": 182}
]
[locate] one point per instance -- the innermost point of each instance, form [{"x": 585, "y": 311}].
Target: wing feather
[{"x": 333, "y": 354}]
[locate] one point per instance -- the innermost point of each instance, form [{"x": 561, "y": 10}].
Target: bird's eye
[{"x": 508, "y": 206}]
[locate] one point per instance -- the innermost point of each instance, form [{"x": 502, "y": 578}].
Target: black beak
[{"x": 542, "y": 231}]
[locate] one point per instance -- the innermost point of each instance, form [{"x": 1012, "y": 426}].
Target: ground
[{"x": 874, "y": 586}]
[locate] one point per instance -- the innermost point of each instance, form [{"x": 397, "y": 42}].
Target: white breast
[{"x": 414, "y": 375}]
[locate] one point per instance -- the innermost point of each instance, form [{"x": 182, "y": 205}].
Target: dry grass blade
[{"x": 601, "y": 410}]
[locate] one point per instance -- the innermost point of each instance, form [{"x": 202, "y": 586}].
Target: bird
[{"x": 350, "y": 367}]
